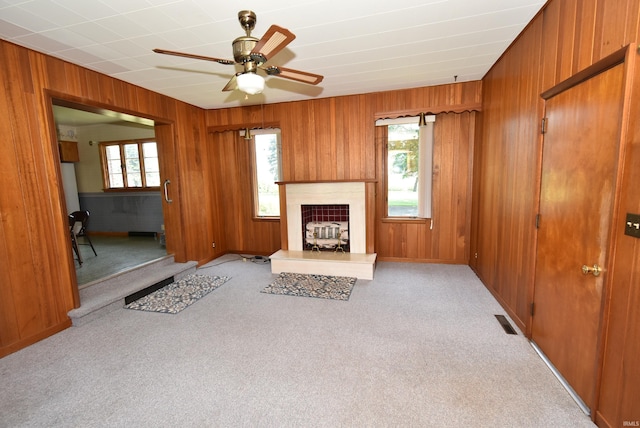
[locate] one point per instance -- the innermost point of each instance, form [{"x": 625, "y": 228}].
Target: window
[
  {"x": 408, "y": 167},
  {"x": 267, "y": 164},
  {"x": 130, "y": 164}
]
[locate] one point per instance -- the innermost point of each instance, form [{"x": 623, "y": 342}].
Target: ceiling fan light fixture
[{"x": 251, "y": 83}]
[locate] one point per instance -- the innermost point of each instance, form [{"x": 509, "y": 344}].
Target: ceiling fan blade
[
  {"x": 188, "y": 55},
  {"x": 288, "y": 73},
  {"x": 232, "y": 84},
  {"x": 273, "y": 41}
]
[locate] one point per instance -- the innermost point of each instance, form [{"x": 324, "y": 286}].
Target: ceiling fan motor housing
[{"x": 242, "y": 47}]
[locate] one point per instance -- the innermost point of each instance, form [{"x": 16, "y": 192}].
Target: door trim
[
  {"x": 53, "y": 97},
  {"x": 596, "y": 68}
]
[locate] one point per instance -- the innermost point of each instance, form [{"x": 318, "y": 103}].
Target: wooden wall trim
[
  {"x": 596, "y": 68},
  {"x": 30, "y": 340},
  {"x": 565, "y": 43},
  {"x": 429, "y": 110},
  {"x": 242, "y": 126}
]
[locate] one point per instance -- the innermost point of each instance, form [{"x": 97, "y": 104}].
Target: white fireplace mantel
[
  {"x": 329, "y": 193},
  {"x": 293, "y": 258}
]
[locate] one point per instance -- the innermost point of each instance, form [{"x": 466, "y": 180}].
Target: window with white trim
[{"x": 408, "y": 166}]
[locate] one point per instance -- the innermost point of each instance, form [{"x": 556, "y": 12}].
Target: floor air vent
[
  {"x": 504, "y": 322},
  {"x": 150, "y": 289}
]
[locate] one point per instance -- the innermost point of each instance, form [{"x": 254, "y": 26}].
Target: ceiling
[{"x": 358, "y": 46}]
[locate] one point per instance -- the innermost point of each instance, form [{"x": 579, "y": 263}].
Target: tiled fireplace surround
[
  {"x": 323, "y": 214},
  {"x": 293, "y": 258}
]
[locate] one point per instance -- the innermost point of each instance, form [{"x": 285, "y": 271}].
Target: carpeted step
[{"x": 102, "y": 297}]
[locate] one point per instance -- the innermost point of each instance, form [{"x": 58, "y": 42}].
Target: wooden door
[
  {"x": 576, "y": 202},
  {"x": 170, "y": 191}
]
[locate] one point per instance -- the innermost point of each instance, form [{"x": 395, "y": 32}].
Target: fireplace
[
  {"x": 325, "y": 227},
  {"x": 350, "y": 204}
]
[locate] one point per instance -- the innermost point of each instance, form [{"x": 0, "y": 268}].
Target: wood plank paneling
[
  {"x": 620, "y": 380},
  {"x": 193, "y": 165},
  {"x": 449, "y": 239},
  {"x": 39, "y": 285},
  {"x": 241, "y": 232},
  {"x": 507, "y": 174},
  {"x": 32, "y": 302},
  {"x": 565, "y": 38},
  {"x": 335, "y": 139}
]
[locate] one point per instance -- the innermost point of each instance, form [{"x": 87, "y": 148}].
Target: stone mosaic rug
[
  {"x": 306, "y": 285},
  {"x": 178, "y": 295}
]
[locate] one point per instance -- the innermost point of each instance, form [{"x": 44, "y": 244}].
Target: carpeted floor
[{"x": 418, "y": 346}]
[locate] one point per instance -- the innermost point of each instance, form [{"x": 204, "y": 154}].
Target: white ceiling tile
[
  {"x": 358, "y": 46},
  {"x": 122, "y": 26},
  {"x": 128, "y": 64},
  {"x": 103, "y": 52},
  {"x": 9, "y": 30},
  {"x": 205, "y": 45},
  {"x": 67, "y": 37},
  {"x": 107, "y": 67},
  {"x": 127, "y": 49},
  {"x": 90, "y": 10},
  {"x": 125, "y": 6},
  {"x": 153, "y": 20},
  {"x": 25, "y": 19},
  {"x": 152, "y": 41},
  {"x": 55, "y": 13},
  {"x": 94, "y": 32},
  {"x": 41, "y": 43},
  {"x": 78, "y": 56},
  {"x": 186, "y": 14}
]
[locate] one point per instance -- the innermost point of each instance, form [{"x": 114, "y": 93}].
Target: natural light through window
[
  {"x": 402, "y": 163},
  {"x": 130, "y": 164},
  {"x": 409, "y": 165},
  {"x": 267, "y": 168}
]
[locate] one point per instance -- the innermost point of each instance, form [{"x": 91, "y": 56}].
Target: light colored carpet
[
  {"x": 418, "y": 346},
  {"x": 305, "y": 285}
]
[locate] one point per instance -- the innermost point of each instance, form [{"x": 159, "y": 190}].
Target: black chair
[
  {"x": 74, "y": 241},
  {"x": 78, "y": 221}
]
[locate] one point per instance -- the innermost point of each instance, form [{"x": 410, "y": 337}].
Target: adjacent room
[{"x": 320, "y": 214}]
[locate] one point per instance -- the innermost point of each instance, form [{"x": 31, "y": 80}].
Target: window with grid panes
[{"x": 130, "y": 164}]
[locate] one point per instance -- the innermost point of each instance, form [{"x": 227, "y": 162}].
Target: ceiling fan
[{"x": 252, "y": 54}]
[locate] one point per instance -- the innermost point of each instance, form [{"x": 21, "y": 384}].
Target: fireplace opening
[{"x": 325, "y": 227}]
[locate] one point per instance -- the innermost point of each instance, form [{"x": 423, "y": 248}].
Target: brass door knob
[{"x": 594, "y": 270}]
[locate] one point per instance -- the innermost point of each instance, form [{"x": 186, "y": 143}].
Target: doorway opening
[{"x": 126, "y": 226}]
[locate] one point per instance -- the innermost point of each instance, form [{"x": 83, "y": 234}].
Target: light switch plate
[{"x": 632, "y": 225}]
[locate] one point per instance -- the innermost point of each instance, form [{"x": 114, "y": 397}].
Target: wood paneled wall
[
  {"x": 238, "y": 230},
  {"x": 448, "y": 240},
  {"x": 324, "y": 139},
  {"x": 566, "y": 37},
  {"x": 38, "y": 288},
  {"x": 506, "y": 173},
  {"x": 335, "y": 139},
  {"x": 331, "y": 139}
]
